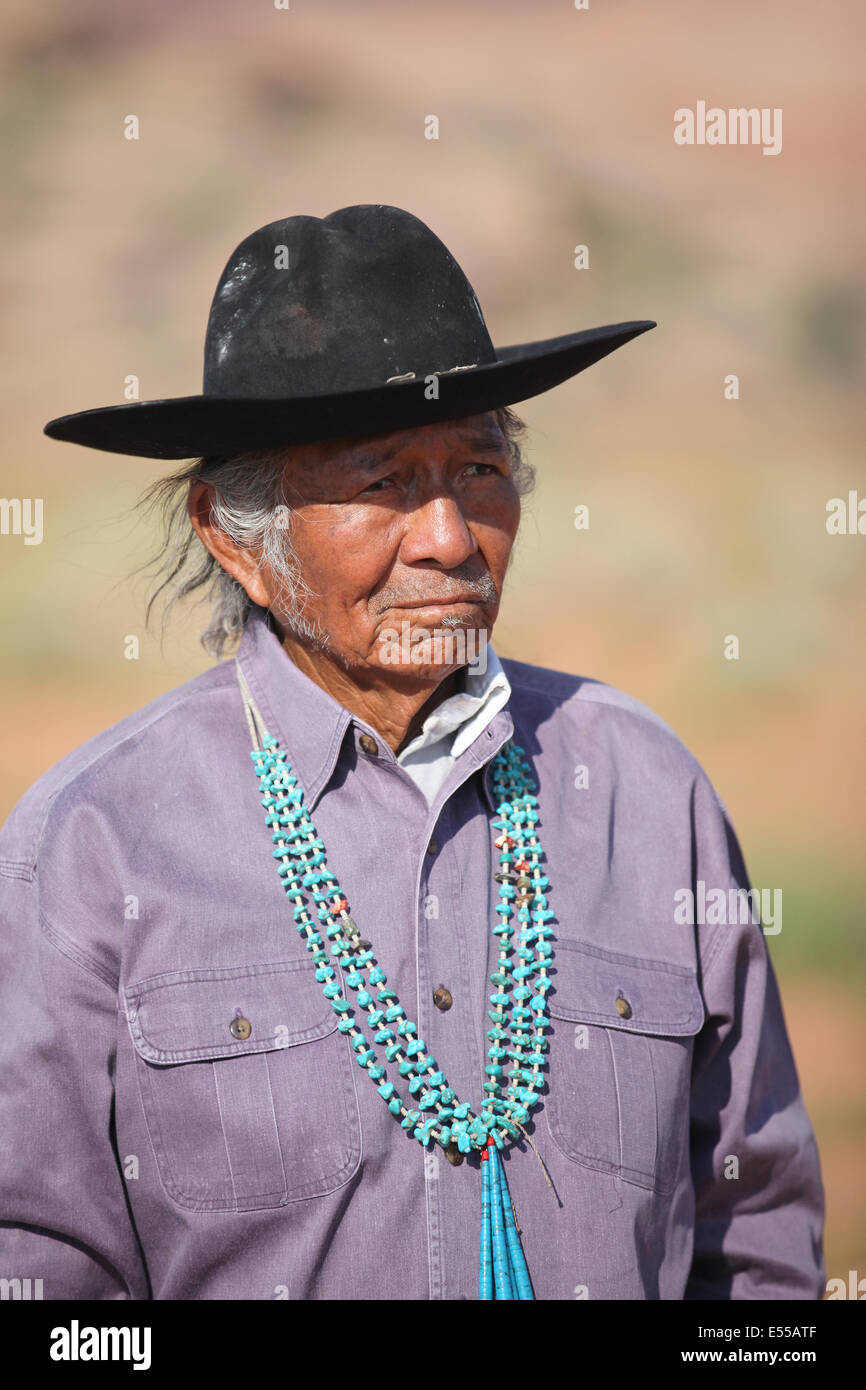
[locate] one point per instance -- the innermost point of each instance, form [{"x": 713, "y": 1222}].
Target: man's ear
[{"x": 240, "y": 564}]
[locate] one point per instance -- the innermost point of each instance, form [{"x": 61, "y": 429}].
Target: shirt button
[
  {"x": 623, "y": 1007},
  {"x": 433, "y": 847},
  {"x": 240, "y": 1028},
  {"x": 368, "y": 743},
  {"x": 443, "y": 998},
  {"x": 453, "y": 1154}
]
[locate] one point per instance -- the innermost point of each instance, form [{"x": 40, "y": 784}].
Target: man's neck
[{"x": 396, "y": 711}]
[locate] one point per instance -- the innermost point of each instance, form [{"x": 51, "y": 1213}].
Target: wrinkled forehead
[{"x": 476, "y": 434}]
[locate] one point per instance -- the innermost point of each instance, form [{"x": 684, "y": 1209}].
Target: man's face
[{"x": 413, "y": 527}]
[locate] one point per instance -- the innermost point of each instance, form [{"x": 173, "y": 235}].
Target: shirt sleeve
[
  {"x": 759, "y": 1198},
  {"x": 64, "y": 1217}
]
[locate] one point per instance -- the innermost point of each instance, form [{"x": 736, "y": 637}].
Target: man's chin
[{"x": 430, "y": 653}]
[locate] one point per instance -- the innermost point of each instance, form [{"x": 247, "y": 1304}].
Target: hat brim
[{"x": 192, "y": 426}]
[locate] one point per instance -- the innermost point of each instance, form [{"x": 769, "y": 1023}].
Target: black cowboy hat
[{"x": 353, "y": 324}]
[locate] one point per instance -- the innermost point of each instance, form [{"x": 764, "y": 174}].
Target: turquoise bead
[
  {"x": 340, "y": 1005},
  {"x": 377, "y": 1072},
  {"x": 364, "y": 998},
  {"x": 395, "y": 1106}
]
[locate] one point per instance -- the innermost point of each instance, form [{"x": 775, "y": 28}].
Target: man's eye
[
  {"x": 377, "y": 484},
  {"x": 485, "y": 467}
]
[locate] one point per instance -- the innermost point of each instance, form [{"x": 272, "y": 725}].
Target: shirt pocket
[
  {"x": 620, "y": 1074},
  {"x": 246, "y": 1123}
]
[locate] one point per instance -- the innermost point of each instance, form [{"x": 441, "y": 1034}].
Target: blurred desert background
[{"x": 707, "y": 515}]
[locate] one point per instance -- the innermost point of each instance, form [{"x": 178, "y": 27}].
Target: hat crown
[{"x": 308, "y": 306}]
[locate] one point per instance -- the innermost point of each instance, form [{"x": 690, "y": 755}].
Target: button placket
[{"x": 431, "y": 1182}]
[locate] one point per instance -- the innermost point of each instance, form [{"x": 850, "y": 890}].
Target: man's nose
[{"x": 437, "y": 532}]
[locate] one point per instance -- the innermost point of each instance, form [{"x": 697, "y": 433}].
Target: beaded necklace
[{"x": 518, "y": 1009}]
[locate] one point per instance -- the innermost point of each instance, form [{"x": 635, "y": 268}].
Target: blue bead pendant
[{"x": 502, "y": 1272}]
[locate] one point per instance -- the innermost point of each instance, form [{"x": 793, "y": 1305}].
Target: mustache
[{"x": 440, "y": 589}]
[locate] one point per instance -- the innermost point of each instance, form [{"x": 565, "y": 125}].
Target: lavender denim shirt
[{"x": 148, "y": 1153}]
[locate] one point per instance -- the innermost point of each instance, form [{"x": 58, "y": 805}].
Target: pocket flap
[
  {"x": 661, "y": 998},
  {"x": 186, "y": 1015}
]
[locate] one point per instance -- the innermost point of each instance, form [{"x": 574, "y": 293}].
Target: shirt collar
[
  {"x": 311, "y": 725},
  {"x": 308, "y": 722},
  {"x": 466, "y": 714}
]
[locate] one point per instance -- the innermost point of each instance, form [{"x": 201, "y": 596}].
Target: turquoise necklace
[{"x": 433, "y": 1112}]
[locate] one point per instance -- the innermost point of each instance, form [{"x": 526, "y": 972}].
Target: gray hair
[{"x": 250, "y": 506}]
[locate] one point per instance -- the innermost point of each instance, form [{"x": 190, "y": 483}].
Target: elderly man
[{"x": 324, "y": 975}]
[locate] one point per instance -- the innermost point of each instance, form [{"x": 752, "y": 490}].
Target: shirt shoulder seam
[
  {"x": 80, "y": 777},
  {"x": 69, "y": 948},
  {"x": 634, "y": 708}
]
